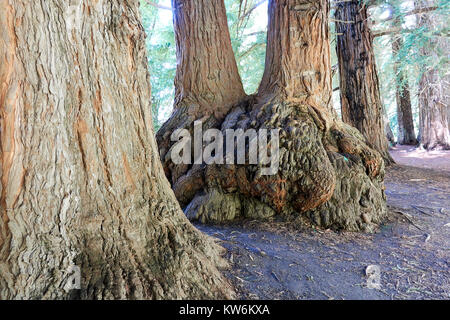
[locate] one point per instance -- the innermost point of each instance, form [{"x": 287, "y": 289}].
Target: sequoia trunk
[
  {"x": 327, "y": 175},
  {"x": 434, "y": 90},
  {"x": 406, "y": 134},
  {"x": 81, "y": 181},
  {"x": 207, "y": 73},
  {"x": 207, "y": 82},
  {"x": 298, "y": 65},
  {"x": 359, "y": 89}
]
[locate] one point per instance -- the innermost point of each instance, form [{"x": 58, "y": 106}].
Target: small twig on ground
[
  {"x": 408, "y": 217},
  {"x": 275, "y": 276},
  {"x": 326, "y": 295},
  {"x": 420, "y": 210}
]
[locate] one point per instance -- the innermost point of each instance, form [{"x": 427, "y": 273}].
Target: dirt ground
[
  {"x": 411, "y": 249},
  {"x": 416, "y": 157}
]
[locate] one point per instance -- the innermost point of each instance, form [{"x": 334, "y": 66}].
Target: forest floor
[{"x": 411, "y": 249}]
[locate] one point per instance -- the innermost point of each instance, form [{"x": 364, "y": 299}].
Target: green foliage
[
  {"x": 248, "y": 39},
  {"x": 413, "y": 56},
  {"x": 161, "y": 60}
]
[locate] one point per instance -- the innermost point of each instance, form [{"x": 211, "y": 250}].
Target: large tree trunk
[
  {"x": 434, "y": 90},
  {"x": 406, "y": 134},
  {"x": 207, "y": 82},
  {"x": 327, "y": 175},
  {"x": 359, "y": 89},
  {"x": 207, "y": 74},
  {"x": 298, "y": 65},
  {"x": 81, "y": 180}
]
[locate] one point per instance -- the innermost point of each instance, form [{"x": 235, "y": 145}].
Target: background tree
[
  {"x": 321, "y": 158},
  {"x": 81, "y": 180},
  {"x": 387, "y": 129},
  {"x": 434, "y": 86},
  {"x": 408, "y": 59},
  {"x": 359, "y": 89},
  {"x": 406, "y": 133},
  {"x": 248, "y": 38},
  {"x": 160, "y": 43}
]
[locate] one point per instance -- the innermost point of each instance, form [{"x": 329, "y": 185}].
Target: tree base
[{"x": 327, "y": 174}]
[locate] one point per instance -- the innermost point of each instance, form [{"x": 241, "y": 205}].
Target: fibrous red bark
[
  {"x": 81, "y": 180},
  {"x": 207, "y": 73},
  {"x": 327, "y": 176},
  {"x": 207, "y": 82},
  {"x": 359, "y": 88}
]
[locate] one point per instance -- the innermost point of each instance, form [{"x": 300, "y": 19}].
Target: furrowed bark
[
  {"x": 406, "y": 134},
  {"x": 207, "y": 82},
  {"x": 297, "y": 60},
  {"x": 207, "y": 73},
  {"x": 328, "y": 176},
  {"x": 434, "y": 90},
  {"x": 81, "y": 180},
  {"x": 359, "y": 89}
]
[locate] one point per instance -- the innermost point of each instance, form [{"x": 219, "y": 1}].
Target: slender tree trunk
[
  {"x": 406, "y": 134},
  {"x": 360, "y": 95},
  {"x": 327, "y": 175},
  {"x": 434, "y": 111},
  {"x": 387, "y": 128},
  {"x": 81, "y": 181},
  {"x": 434, "y": 91}
]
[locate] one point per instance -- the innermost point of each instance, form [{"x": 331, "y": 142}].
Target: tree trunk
[
  {"x": 434, "y": 91},
  {"x": 298, "y": 65},
  {"x": 207, "y": 74},
  {"x": 360, "y": 95},
  {"x": 406, "y": 134},
  {"x": 327, "y": 175},
  {"x": 207, "y": 81},
  {"x": 81, "y": 182},
  {"x": 387, "y": 128}
]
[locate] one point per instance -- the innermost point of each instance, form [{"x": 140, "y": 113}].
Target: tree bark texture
[
  {"x": 81, "y": 179},
  {"x": 297, "y": 60},
  {"x": 360, "y": 95},
  {"x": 207, "y": 73},
  {"x": 207, "y": 81},
  {"x": 406, "y": 133},
  {"x": 434, "y": 90},
  {"x": 328, "y": 175}
]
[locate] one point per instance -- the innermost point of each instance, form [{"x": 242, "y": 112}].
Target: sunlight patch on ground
[{"x": 417, "y": 157}]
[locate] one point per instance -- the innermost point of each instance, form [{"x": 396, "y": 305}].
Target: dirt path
[
  {"x": 410, "y": 156},
  {"x": 412, "y": 249}
]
